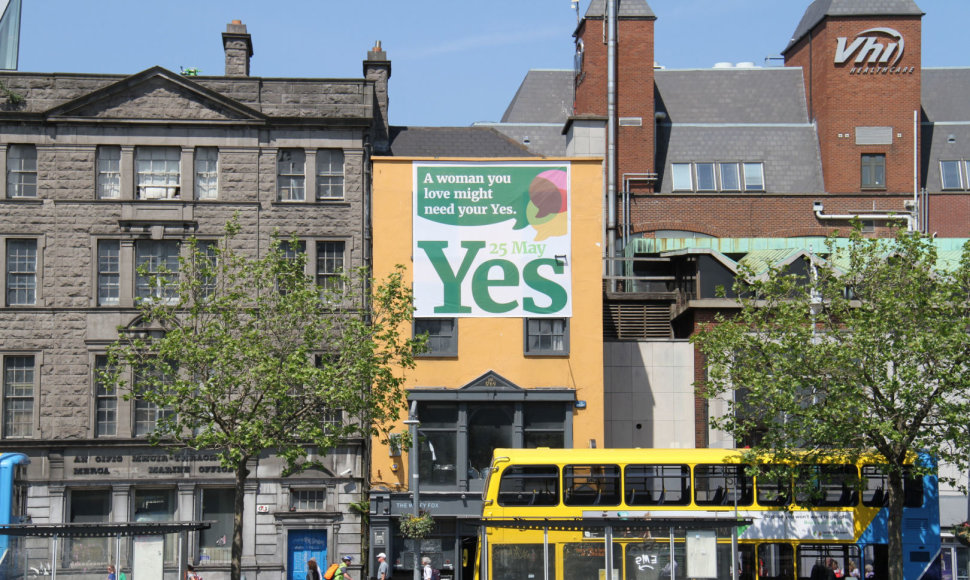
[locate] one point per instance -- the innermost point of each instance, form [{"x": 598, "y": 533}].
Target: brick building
[
  {"x": 105, "y": 173},
  {"x": 743, "y": 163}
]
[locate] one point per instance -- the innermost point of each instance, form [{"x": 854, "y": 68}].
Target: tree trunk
[
  {"x": 235, "y": 570},
  {"x": 896, "y": 499}
]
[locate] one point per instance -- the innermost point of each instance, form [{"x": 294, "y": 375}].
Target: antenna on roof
[{"x": 575, "y": 6}]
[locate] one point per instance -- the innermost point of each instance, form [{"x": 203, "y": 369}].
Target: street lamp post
[{"x": 412, "y": 423}]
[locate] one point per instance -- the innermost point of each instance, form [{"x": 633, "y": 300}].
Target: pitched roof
[
  {"x": 453, "y": 142},
  {"x": 626, "y": 9},
  {"x": 758, "y": 95},
  {"x": 545, "y": 96},
  {"x": 819, "y": 9}
]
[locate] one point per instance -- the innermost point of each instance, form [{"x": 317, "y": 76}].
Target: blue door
[{"x": 301, "y": 545}]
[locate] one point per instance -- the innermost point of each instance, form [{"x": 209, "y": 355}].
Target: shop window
[
  {"x": 442, "y": 335},
  {"x": 490, "y": 427},
  {"x": 18, "y": 396},
  {"x": 543, "y": 426},
  {"x": 873, "y": 171},
  {"x": 438, "y": 444},
  {"x": 330, "y": 174},
  {"x": 21, "y": 272},
  {"x": 157, "y": 172},
  {"x": 158, "y": 505},
  {"x": 206, "y": 173},
  {"x": 215, "y": 543},
  {"x": 109, "y": 172},
  {"x": 88, "y": 506},
  {"x": 106, "y": 401},
  {"x": 546, "y": 336},
  {"x": 291, "y": 175},
  {"x": 21, "y": 171}
]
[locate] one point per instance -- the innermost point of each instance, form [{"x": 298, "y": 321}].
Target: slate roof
[
  {"x": 545, "y": 140},
  {"x": 626, "y": 9},
  {"x": 819, "y": 9},
  {"x": 737, "y": 115},
  {"x": 453, "y": 142},
  {"x": 945, "y": 133},
  {"x": 545, "y": 95},
  {"x": 760, "y": 95}
]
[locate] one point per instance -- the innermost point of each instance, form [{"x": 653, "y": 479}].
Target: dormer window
[{"x": 158, "y": 171}]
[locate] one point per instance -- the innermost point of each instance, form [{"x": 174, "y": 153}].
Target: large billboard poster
[{"x": 492, "y": 240}]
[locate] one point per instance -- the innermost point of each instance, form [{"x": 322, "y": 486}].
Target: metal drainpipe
[{"x": 611, "y": 142}]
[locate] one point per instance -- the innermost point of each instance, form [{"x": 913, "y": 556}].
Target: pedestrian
[
  {"x": 111, "y": 572},
  {"x": 341, "y": 573},
  {"x": 190, "y": 573},
  {"x": 312, "y": 570},
  {"x": 426, "y": 568},
  {"x": 383, "y": 570}
]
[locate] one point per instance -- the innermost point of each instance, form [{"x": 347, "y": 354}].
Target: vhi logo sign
[{"x": 876, "y": 51}]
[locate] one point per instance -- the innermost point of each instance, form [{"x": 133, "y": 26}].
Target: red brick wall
[
  {"x": 634, "y": 88},
  {"x": 841, "y": 101}
]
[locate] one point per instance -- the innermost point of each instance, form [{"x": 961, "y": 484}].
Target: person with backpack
[{"x": 341, "y": 572}]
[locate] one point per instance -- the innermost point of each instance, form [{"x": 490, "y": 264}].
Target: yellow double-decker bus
[{"x": 645, "y": 514}]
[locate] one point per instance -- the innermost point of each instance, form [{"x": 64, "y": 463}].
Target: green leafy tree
[
  {"x": 242, "y": 355},
  {"x": 866, "y": 352}
]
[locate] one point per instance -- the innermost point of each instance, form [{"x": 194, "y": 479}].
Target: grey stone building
[{"x": 108, "y": 172}]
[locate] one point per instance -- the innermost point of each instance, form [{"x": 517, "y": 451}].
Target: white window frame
[
  {"x": 21, "y": 272},
  {"x": 330, "y": 174},
  {"x": 959, "y": 174},
  {"x": 154, "y": 289},
  {"x": 158, "y": 172},
  {"x": 291, "y": 175},
  {"x": 19, "y": 386},
  {"x": 330, "y": 263},
  {"x": 109, "y": 172},
  {"x": 684, "y": 169},
  {"x": 109, "y": 272},
  {"x": 757, "y": 168},
  {"x": 705, "y": 166},
  {"x": 21, "y": 171},
  {"x": 206, "y": 172},
  {"x": 105, "y": 401}
]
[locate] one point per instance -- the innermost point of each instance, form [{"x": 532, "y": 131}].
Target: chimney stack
[
  {"x": 239, "y": 48},
  {"x": 378, "y": 69}
]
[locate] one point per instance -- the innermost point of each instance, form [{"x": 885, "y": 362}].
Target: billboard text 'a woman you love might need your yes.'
[{"x": 491, "y": 240}]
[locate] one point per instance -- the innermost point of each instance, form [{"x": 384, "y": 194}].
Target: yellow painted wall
[{"x": 496, "y": 344}]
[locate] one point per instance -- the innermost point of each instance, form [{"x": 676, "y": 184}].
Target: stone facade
[{"x": 83, "y": 199}]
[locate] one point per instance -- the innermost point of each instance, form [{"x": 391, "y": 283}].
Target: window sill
[
  {"x": 545, "y": 354},
  {"x": 437, "y": 355},
  {"x": 873, "y": 188}
]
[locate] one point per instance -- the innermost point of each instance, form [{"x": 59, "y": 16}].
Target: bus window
[
  {"x": 776, "y": 562},
  {"x": 773, "y": 492},
  {"x": 835, "y": 556},
  {"x": 656, "y": 485},
  {"x": 876, "y": 491},
  {"x": 722, "y": 485},
  {"x": 828, "y": 485},
  {"x": 529, "y": 485},
  {"x": 582, "y": 561},
  {"x": 521, "y": 561},
  {"x": 591, "y": 485}
]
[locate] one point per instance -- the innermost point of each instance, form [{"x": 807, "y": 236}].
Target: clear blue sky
[{"x": 454, "y": 62}]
